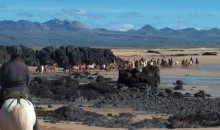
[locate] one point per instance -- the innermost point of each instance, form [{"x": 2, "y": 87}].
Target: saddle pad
[{"x": 16, "y": 94}]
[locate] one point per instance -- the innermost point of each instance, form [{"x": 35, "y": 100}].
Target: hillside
[{"x": 56, "y": 33}]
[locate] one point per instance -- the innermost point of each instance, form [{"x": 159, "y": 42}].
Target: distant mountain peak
[
  {"x": 66, "y": 32},
  {"x": 148, "y": 27},
  {"x": 189, "y": 29},
  {"x": 167, "y": 29},
  {"x": 53, "y": 21},
  {"x": 80, "y": 25},
  {"x": 214, "y": 29},
  {"x": 65, "y": 24}
]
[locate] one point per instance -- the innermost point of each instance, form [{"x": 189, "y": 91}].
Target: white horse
[
  {"x": 40, "y": 69},
  {"x": 75, "y": 68},
  {"x": 92, "y": 66},
  {"x": 17, "y": 114},
  {"x": 176, "y": 63}
]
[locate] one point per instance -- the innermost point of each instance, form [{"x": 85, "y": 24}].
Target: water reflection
[{"x": 210, "y": 67}]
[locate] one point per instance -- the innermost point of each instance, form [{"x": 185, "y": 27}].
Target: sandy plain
[{"x": 176, "y": 71}]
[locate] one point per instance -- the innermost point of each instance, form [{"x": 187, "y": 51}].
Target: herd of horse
[
  {"x": 46, "y": 68},
  {"x": 126, "y": 64}
]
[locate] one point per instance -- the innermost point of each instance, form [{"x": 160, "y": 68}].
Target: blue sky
[{"x": 119, "y": 15}]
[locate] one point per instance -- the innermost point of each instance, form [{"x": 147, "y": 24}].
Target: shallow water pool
[
  {"x": 209, "y": 84},
  {"x": 209, "y": 67}
]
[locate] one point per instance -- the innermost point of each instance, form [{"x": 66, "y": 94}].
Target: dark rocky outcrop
[
  {"x": 210, "y": 53},
  {"x": 96, "y": 89},
  {"x": 65, "y": 55},
  {"x": 150, "y": 76},
  {"x": 63, "y": 88},
  {"x": 124, "y": 120},
  {"x": 156, "y": 52},
  {"x": 201, "y": 94},
  {"x": 68, "y": 88},
  {"x": 198, "y": 120},
  {"x": 102, "y": 79}
]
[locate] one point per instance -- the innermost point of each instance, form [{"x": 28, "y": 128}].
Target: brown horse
[
  {"x": 82, "y": 67},
  {"x": 51, "y": 67},
  {"x": 113, "y": 66},
  {"x": 197, "y": 62},
  {"x": 127, "y": 64}
]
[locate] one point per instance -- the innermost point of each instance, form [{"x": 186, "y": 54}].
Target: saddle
[
  {"x": 13, "y": 94},
  {"x": 16, "y": 94}
]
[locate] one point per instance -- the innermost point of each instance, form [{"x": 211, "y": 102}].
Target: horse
[
  {"x": 102, "y": 66},
  {"x": 184, "y": 63},
  {"x": 158, "y": 62},
  {"x": 82, "y": 67},
  {"x": 197, "y": 62},
  {"x": 51, "y": 67},
  {"x": 112, "y": 66},
  {"x": 143, "y": 62},
  {"x": 67, "y": 67},
  {"x": 75, "y": 68},
  {"x": 170, "y": 62},
  {"x": 92, "y": 66},
  {"x": 176, "y": 63},
  {"x": 17, "y": 114},
  {"x": 40, "y": 69}
]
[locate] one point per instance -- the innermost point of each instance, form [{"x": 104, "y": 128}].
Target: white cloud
[
  {"x": 74, "y": 12},
  {"x": 195, "y": 15},
  {"x": 93, "y": 16},
  {"x": 199, "y": 28},
  {"x": 125, "y": 27},
  {"x": 181, "y": 20},
  {"x": 51, "y": 13},
  {"x": 24, "y": 14},
  {"x": 131, "y": 15}
]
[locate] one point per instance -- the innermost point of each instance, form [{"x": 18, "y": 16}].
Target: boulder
[
  {"x": 201, "y": 94},
  {"x": 149, "y": 76},
  {"x": 102, "y": 79},
  {"x": 96, "y": 89},
  {"x": 178, "y": 87},
  {"x": 71, "y": 113}
]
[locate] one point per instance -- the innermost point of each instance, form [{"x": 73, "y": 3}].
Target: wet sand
[
  {"x": 76, "y": 126},
  {"x": 176, "y": 71}
]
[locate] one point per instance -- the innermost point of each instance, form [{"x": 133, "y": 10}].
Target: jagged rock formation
[
  {"x": 65, "y": 55},
  {"x": 150, "y": 76}
]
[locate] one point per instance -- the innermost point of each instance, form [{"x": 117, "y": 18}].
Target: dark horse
[
  {"x": 197, "y": 62},
  {"x": 67, "y": 67}
]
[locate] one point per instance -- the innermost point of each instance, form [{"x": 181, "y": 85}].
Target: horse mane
[{"x": 20, "y": 115}]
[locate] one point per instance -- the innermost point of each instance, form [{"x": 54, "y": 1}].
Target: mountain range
[{"x": 57, "y": 33}]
